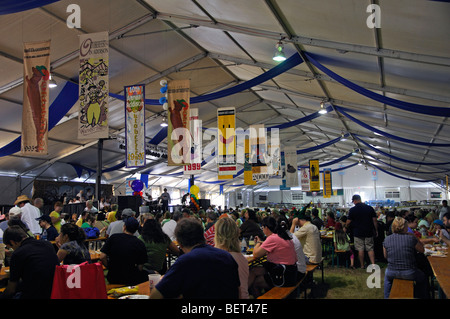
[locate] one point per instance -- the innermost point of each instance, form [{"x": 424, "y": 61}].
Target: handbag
[{"x": 83, "y": 281}]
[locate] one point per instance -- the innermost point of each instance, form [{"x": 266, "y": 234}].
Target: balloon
[
  {"x": 194, "y": 190},
  {"x": 163, "y": 89},
  {"x": 137, "y": 185},
  {"x": 162, "y": 100},
  {"x": 166, "y": 106},
  {"x": 163, "y": 82}
]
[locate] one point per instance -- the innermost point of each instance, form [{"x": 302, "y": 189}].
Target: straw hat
[{"x": 22, "y": 198}]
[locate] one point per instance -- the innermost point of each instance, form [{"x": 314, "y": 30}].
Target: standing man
[
  {"x": 165, "y": 197},
  {"x": 363, "y": 221},
  {"x": 29, "y": 214}
]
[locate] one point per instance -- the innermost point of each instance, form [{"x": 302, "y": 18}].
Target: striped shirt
[{"x": 400, "y": 251}]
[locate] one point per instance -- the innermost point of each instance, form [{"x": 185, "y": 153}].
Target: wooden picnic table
[
  {"x": 4, "y": 273},
  {"x": 143, "y": 289},
  {"x": 441, "y": 270}
]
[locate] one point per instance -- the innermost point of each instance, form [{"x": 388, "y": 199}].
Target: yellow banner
[
  {"x": 226, "y": 141},
  {"x": 36, "y": 66},
  {"x": 327, "y": 183},
  {"x": 314, "y": 178}
]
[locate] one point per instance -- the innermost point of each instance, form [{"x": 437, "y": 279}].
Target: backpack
[{"x": 92, "y": 232}]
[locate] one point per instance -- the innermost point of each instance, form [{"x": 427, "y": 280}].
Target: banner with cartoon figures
[
  {"x": 178, "y": 136},
  {"x": 258, "y": 149},
  {"x": 226, "y": 142},
  {"x": 327, "y": 183},
  {"x": 304, "y": 177},
  {"x": 290, "y": 160},
  {"x": 36, "y": 67},
  {"x": 135, "y": 125},
  {"x": 274, "y": 164},
  {"x": 314, "y": 178},
  {"x": 93, "y": 86},
  {"x": 195, "y": 165}
]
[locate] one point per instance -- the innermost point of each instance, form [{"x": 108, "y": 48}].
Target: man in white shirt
[
  {"x": 29, "y": 213},
  {"x": 169, "y": 227}
]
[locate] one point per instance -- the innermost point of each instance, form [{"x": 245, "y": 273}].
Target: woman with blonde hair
[
  {"x": 400, "y": 250},
  {"x": 227, "y": 238}
]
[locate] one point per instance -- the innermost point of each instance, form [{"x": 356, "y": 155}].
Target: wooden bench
[
  {"x": 281, "y": 292},
  {"x": 402, "y": 289}
]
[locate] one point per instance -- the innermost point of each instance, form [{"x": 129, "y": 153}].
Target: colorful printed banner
[
  {"x": 290, "y": 158},
  {"x": 248, "y": 175},
  {"x": 327, "y": 183},
  {"x": 226, "y": 142},
  {"x": 314, "y": 178},
  {"x": 135, "y": 125},
  {"x": 178, "y": 136},
  {"x": 304, "y": 177},
  {"x": 258, "y": 153},
  {"x": 93, "y": 86},
  {"x": 36, "y": 67},
  {"x": 274, "y": 167},
  {"x": 195, "y": 166},
  {"x": 283, "y": 177}
]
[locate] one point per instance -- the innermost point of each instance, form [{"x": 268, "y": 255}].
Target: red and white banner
[
  {"x": 195, "y": 165},
  {"x": 36, "y": 69},
  {"x": 93, "y": 86}
]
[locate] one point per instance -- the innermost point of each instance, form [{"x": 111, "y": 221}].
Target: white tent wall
[{"x": 369, "y": 184}]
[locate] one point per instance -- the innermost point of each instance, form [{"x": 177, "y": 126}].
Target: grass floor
[{"x": 346, "y": 283}]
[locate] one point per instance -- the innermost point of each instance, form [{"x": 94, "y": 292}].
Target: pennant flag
[
  {"x": 93, "y": 86},
  {"x": 135, "y": 125},
  {"x": 178, "y": 136},
  {"x": 290, "y": 158},
  {"x": 327, "y": 183},
  {"x": 36, "y": 66},
  {"x": 195, "y": 127},
  {"x": 226, "y": 140},
  {"x": 314, "y": 178}
]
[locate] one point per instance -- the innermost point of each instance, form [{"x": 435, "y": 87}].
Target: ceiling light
[
  {"x": 52, "y": 83},
  {"x": 355, "y": 151},
  {"x": 279, "y": 52},
  {"x": 164, "y": 122},
  {"x": 322, "y": 109}
]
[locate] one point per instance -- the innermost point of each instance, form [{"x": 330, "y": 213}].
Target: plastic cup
[{"x": 154, "y": 279}]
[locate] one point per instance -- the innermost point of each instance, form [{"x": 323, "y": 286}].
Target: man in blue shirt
[{"x": 202, "y": 272}]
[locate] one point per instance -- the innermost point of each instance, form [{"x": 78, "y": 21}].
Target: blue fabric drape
[
  {"x": 300, "y": 120},
  {"x": 416, "y": 108},
  {"x": 395, "y": 157},
  {"x": 60, "y": 106},
  {"x": 13, "y": 6},
  {"x": 371, "y": 128},
  {"x": 340, "y": 159},
  {"x": 326, "y": 144},
  {"x": 406, "y": 178}
]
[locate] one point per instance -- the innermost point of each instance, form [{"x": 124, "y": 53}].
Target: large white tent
[{"x": 219, "y": 44}]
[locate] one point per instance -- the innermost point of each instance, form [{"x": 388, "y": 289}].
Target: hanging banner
[
  {"x": 248, "y": 174},
  {"x": 36, "y": 69},
  {"x": 327, "y": 183},
  {"x": 314, "y": 178},
  {"x": 283, "y": 176},
  {"x": 226, "y": 140},
  {"x": 178, "y": 136},
  {"x": 274, "y": 165},
  {"x": 135, "y": 125},
  {"x": 93, "y": 86},
  {"x": 258, "y": 153},
  {"x": 290, "y": 159},
  {"x": 195, "y": 128},
  {"x": 304, "y": 177}
]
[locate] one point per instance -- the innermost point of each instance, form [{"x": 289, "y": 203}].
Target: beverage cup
[{"x": 154, "y": 279}]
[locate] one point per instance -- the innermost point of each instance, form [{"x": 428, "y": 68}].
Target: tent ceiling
[{"x": 218, "y": 44}]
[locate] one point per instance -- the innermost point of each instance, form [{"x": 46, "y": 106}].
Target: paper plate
[{"x": 135, "y": 297}]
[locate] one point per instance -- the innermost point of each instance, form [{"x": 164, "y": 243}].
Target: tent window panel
[
  {"x": 297, "y": 196},
  {"x": 392, "y": 194}
]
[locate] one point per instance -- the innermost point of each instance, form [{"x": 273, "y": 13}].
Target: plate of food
[{"x": 135, "y": 297}]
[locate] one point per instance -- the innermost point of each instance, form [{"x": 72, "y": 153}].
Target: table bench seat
[{"x": 402, "y": 289}]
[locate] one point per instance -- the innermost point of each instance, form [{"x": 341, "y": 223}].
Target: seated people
[
  {"x": 281, "y": 266},
  {"x": 32, "y": 266},
  {"x": 156, "y": 244},
  {"x": 202, "y": 272},
  {"x": 125, "y": 255},
  {"x": 49, "y": 231},
  {"x": 72, "y": 248}
]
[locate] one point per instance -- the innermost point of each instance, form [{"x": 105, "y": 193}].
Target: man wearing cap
[
  {"x": 125, "y": 255},
  {"x": 363, "y": 221},
  {"x": 49, "y": 231},
  {"x": 117, "y": 226},
  {"x": 29, "y": 214}
]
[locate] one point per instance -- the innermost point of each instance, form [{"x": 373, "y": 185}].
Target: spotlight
[
  {"x": 279, "y": 52},
  {"x": 322, "y": 109},
  {"x": 52, "y": 83},
  {"x": 164, "y": 122}
]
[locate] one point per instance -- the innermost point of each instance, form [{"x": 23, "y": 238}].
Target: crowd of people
[{"x": 136, "y": 245}]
